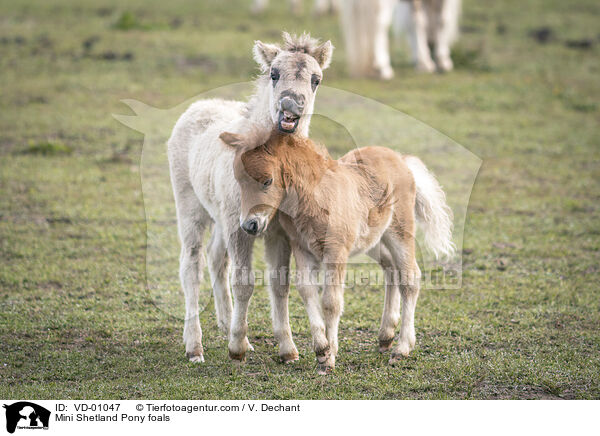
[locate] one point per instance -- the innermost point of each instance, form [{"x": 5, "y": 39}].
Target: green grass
[{"x": 76, "y": 320}]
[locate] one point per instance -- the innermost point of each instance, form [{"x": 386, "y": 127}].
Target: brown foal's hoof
[
  {"x": 238, "y": 357},
  {"x": 324, "y": 369},
  {"x": 385, "y": 345},
  {"x": 394, "y": 360},
  {"x": 325, "y": 361},
  {"x": 322, "y": 354}
]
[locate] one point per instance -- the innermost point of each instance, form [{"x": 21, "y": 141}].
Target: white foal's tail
[{"x": 431, "y": 209}]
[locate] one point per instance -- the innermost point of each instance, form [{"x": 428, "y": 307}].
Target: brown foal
[{"x": 330, "y": 209}]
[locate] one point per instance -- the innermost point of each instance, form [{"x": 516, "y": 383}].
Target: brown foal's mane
[{"x": 303, "y": 162}]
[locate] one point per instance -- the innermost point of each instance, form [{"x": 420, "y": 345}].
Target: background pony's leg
[
  {"x": 357, "y": 19},
  {"x": 259, "y": 6},
  {"x": 218, "y": 266},
  {"x": 391, "y": 305},
  {"x": 296, "y": 6},
  {"x": 445, "y": 32},
  {"x": 240, "y": 253},
  {"x": 277, "y": 253},
  {"x": 382, "y": 64},
  {"x": 418, "y": 38},
  {"x": 192, "y": 220},
  {"x": 323, "y": 7},
  {"x": 307, "y": 270},
  {"x": 365, "y": 25}
]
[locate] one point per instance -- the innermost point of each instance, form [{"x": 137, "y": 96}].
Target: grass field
[{"x": 76, "y": 320}]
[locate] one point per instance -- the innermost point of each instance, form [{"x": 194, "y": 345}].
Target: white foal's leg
[
  {"x": 308, "y": 269},
  {"x": 418, "y": 38},
  {"x": 391, "y": 304},
  {"x": 192, "y": 220},
  {"x": 333, "y": 306},
  {"x": 218, "y": 266},
  {"x": 277, "y": 253},
  {"x": 240, "y": 252}
]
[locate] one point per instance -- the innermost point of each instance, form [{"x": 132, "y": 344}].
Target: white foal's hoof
[
  {"x": 249, "y": 345},
  {"x": 290, "y": 357},
  {"x": 195, "y": 357},
  {"x": 401, "y": 351}
]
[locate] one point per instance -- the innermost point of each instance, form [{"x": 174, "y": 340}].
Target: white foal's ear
[
  {"x": 323, "y": 54},
  {"x": 264, "y": 54},
  {"x": 232, "y": 139}
]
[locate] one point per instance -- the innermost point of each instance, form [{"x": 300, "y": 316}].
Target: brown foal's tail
[{"x": 431, "y": 209}]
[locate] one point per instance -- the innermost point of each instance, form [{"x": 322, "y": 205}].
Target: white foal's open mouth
[{"x": 288, "y": 121}]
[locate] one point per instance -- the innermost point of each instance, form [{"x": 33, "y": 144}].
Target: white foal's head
[{"x": 294, "y": 71}]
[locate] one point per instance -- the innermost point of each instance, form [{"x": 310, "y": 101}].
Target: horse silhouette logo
[{"x": 24, "y": 414}]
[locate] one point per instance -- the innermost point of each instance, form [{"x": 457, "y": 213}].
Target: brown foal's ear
[{"x": 232, "y": 139}]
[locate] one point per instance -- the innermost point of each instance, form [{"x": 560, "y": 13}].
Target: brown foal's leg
[
  {"x": 391, "y": 304},
  {"x": 277, "y": 254},
  {"x": 307, "y": 269},
  {"x": 401, "y": 244},
  {"x": 333, "y": 305}
]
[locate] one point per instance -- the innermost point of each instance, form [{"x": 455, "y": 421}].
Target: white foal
[{"x": 207, "y": 195}]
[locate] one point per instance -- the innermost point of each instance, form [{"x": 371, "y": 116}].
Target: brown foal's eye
[{"x": 267, "y": 183}]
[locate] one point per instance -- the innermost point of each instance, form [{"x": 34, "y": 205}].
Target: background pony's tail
[{"x": 431, "y": 209}]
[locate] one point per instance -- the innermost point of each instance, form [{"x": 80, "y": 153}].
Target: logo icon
[{"x": 24, "y": 414}]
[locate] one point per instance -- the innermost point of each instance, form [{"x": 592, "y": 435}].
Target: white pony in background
[
  {"x": 366, "y": 25},
  {"x": 321, "y": 7}
]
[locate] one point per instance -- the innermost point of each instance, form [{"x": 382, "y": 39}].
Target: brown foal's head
[{"x": 260, "y": 177}]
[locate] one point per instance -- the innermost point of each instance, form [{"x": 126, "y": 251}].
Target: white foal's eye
[
  {"x": 267, "y": 183},
  {"x": 314, "y": 81},
  {"x": 274, "y": 75}
]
